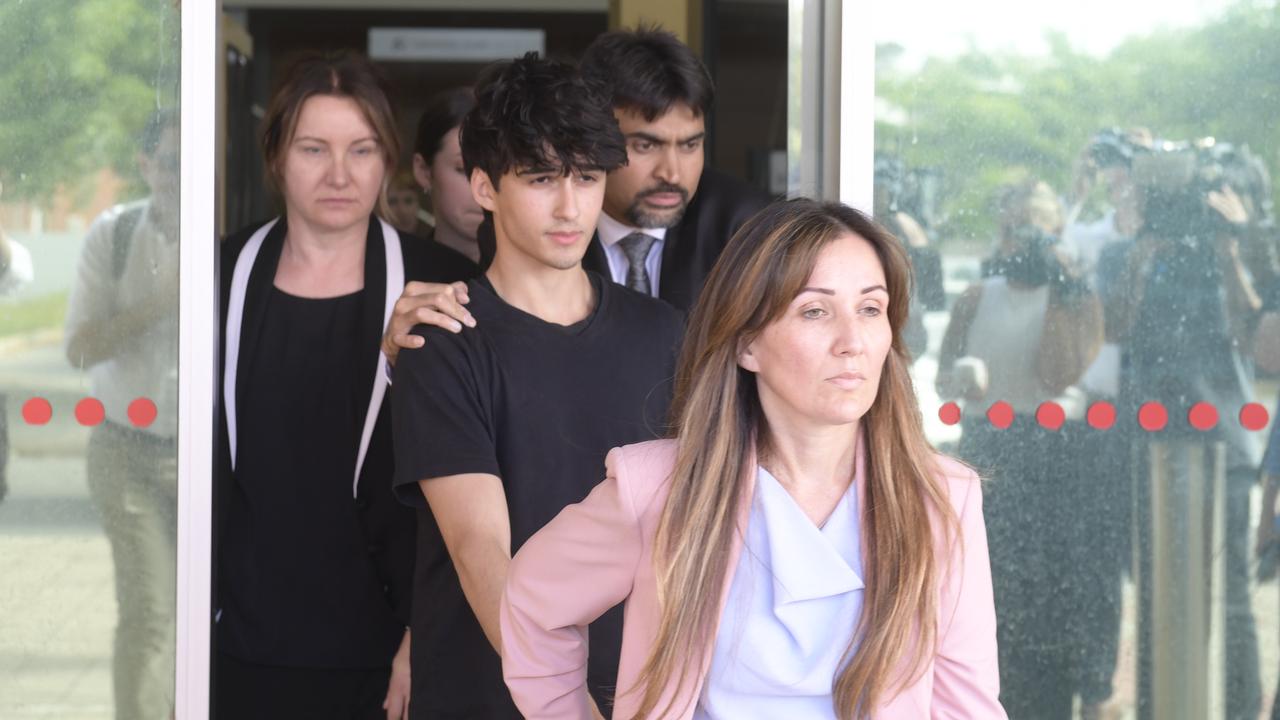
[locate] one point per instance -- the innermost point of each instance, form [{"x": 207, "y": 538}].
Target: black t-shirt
[
  {"x": 538, "y": 405},
  {"x": 299, "y": 587}
]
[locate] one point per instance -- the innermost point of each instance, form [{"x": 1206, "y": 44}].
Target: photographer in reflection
[
  {"x": 1188, "y": 310},
  {"x": 122, "y": 328},
  {"x": 1099, "y": 246},
  {"x": 895, "y": 207},
  {"x": 1023, "y": 335}
]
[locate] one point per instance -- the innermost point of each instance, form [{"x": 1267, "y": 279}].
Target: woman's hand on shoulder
[{"x": 427, "y": 303}]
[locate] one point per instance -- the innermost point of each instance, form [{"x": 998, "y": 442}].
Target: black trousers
[{"x": 246, "y": 691}]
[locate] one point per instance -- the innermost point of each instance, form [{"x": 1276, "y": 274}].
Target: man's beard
[{"x": 639, "y": 216}]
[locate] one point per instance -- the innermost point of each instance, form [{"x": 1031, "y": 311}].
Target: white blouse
[{"x": 793, "y": 604}]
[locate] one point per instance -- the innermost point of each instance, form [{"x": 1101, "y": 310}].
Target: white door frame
[{"x": 197, "y": 354}]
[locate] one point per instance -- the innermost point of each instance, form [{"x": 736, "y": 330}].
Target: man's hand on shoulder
[{"x": 435, "y": 304}]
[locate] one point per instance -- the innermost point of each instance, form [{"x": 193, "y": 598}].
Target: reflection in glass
[
  {"x": 1099, "y": 193},
  {"x": 88, "y": 358}
]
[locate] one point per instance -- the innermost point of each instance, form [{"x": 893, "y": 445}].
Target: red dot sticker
[
  {"x": 949, "y": 413},
  {"x": 1050, "y": 415},
  {"x": 1153, "y": 417},
  {"x": 1001, "y": 415},
  {"x": 1253, "y": 416},
  {"x": 1203, "y": 416},
  {"x": 89, "y": 412},
  {"x": 142, "y": 412},
  {"x": 1102, "y": 415},
  {"x": 37, "y": 411}
]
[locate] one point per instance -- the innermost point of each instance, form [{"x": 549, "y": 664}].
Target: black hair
[
  {"x": 648, "y": 70},
  {"x": 532, "y": 112},
  {"x": 153, "y": 130},
  {"x": 444, "y": 112}
]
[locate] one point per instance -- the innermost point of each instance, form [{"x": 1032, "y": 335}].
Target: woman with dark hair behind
[
  {"x": 797, "y": 549},
  {"x": 437, "y": 166},
  {"x": 315, "y": 556}
]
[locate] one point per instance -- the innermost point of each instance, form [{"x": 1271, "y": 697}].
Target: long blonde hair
[{"x": 716, "y": 417}]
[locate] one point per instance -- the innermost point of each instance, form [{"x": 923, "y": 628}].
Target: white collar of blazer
[{"x": 393, "y": 285}]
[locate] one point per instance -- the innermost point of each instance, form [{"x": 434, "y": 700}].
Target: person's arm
[
  {"x": 1127, "y": 289},
  {"x": 966, "y": 672},
  {"x": 471, "y": 511},
  {"x": 949, "y": 384},
  {"x": 568, "y": 574}
]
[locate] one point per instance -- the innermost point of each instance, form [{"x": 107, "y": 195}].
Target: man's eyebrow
[
  {"x": 693, "y": 138},
  {"x": 640, "y": 135}
]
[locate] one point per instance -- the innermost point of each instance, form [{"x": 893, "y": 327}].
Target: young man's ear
[
  {"x": 421, "y": 172},
  {"x": 482, "y": 189}
]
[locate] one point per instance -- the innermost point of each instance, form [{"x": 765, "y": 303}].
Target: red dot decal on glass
[
  {"x": 1203, "y": 416},
  {"x": 1253, "y": 416},
  {"x": 1001, "y": 415},
  {"x": 1050, "y": 415},
  {"x": 142, "y": 412},
  {"x": 1153, "y": 417},
  {"x": 37, "y": 411},
  {"x": 1102, "y": 415},
  {"x": 949, "y": 413},
  {"x": 89, "y": 412}
]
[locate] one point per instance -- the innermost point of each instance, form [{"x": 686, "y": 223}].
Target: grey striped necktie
[{"x": 636, "y": 247}]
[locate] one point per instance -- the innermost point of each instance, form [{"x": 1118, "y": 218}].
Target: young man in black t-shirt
[{"x": 501, "y": 426}]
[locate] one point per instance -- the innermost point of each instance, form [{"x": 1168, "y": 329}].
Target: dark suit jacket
[{"x": 721, "y": 205}]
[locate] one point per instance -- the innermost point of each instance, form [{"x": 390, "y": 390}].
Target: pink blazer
[{"x": 598, "y": 553}]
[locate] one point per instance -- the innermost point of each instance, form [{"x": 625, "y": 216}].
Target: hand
[
  {"x": 1229, "y": 205},
  {"x": 397, "y": 701},
  {"x": 430, "y": 303},
  {"x": 971, "y": 378}
]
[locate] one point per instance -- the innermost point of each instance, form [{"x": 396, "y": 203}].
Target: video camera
[{"x": 1177, "y": 177}]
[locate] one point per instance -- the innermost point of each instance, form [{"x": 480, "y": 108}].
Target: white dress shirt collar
[{"x": 611, "y": 231}]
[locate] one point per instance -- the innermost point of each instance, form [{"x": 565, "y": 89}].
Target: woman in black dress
[{"x": 315, "y": 556}]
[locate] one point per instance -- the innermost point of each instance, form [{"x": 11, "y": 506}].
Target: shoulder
[
  {"x": 104, "y": 225},
  {"x": 961, "y": 483},
  {"x": 429, "y": 261},
  {"x": 640, "y": 308},
  {"x": 728, "y": 198},
  {"x": 489, "y": 322},
  {"x": 232, "y": 244},
  {"x": 643, "y": 473}
]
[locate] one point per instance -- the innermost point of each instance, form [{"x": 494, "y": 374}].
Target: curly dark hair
[
  {"x": 532, "y": 113},
  {"x": 648, "y": 70}
]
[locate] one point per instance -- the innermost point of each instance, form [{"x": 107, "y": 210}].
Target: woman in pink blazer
[{"x": 797, "y": 549}]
